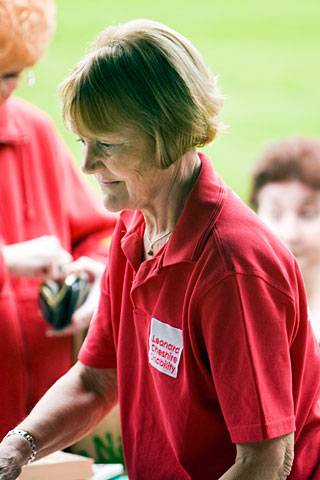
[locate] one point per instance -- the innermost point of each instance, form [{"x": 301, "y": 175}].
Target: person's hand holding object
[
  {"x": 82, "y": 316},
  {"x": 40, "y": 257}
]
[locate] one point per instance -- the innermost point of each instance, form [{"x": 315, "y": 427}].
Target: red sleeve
[
  {"x": 3, "y": 269},
  {"x": 247, "y": 327},
  {"x": 98, "y": 350}
]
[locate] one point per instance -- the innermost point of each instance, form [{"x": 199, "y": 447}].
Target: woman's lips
[{"x": 108, "y": 183}]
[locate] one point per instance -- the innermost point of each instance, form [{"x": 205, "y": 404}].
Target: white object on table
[{"x": 107, "y": 471}]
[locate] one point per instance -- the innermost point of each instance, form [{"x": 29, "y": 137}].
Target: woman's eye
[
  {"x": 10, "y": 76},
  {"x": 309, "y": 214},
  {"x": 105, "y": 145},
  {"x": 80, "y": 140}
]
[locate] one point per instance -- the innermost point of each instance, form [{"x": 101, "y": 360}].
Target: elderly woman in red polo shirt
[{"x": 201, "y": 331}]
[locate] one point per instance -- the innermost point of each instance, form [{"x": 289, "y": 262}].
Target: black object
[{"x": 58, "y": 301}]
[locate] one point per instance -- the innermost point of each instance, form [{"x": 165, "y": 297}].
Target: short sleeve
[
  {"x": 98, "y": 350},
  {"x": 247, "y": 326},
  {"x": 4, "y": 272}
]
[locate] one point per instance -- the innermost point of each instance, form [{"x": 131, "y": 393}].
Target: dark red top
[{"x": 41, "y": 193}]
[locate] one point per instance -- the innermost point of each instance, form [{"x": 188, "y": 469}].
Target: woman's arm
[
  {"x": 265, "y": 460},
  {"x": 70, "y": 408}
]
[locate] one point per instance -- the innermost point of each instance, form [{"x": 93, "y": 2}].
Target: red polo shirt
[
  {"x": 41, "y": 193},
  {"x": 211, "y": 341}
]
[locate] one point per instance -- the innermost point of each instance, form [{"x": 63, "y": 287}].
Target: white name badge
[{"x": 165, "y": 347}]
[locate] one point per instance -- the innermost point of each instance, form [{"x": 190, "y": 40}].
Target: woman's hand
[
  {"x": 40, "y": 257},
  {"x": 82, "y": 316},
  {"x": 9, "y": 468},
  {"x": 14, "y": 452}
]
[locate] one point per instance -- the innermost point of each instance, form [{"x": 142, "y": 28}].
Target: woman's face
[
  {"x": 8, "y": 83},
  {"x": 292, "y": 210},
  {"x": 124, "y": 166}
]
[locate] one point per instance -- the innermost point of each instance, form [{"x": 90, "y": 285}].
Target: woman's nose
[
  {"x": 91, "y": 163},
  {"x": 289, "y": 231}
]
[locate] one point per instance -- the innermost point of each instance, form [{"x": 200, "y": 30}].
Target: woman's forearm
[
  {"x": 250, "y": 472},
  {"x": 70, "y": 408},
  {"x": 265, "y": 460}
]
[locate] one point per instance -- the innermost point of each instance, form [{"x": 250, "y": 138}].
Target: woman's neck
[
  {"x": 164, "y": 214},
  {"x": 311, "y": 278}
]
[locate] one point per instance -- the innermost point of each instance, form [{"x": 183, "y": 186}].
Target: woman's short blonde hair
[
  {"x": 144, "y": 74},
  {"x": 26, "y": 27}
]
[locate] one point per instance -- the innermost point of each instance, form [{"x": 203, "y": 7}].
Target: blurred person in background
[
  {"x": 50, "y": 220},
  {"x": 202, "y": 329},
  {"x": 286, "y": 195}
]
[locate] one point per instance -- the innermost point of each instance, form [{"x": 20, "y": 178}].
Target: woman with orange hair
[{"x": 48, "y": 219}]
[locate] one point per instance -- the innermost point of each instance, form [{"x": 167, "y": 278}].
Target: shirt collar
[
  {"x": 10, "y": 132},
  {"x": 198, "y": 215}
]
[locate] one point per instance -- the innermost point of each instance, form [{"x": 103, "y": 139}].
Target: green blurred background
[{"x": 266, "y": 55}]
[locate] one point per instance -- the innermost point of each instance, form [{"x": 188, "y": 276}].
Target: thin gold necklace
[{"x": 150, "y": 250}]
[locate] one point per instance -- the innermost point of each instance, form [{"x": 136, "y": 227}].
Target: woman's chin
[{"x": 112, "y": 204}]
